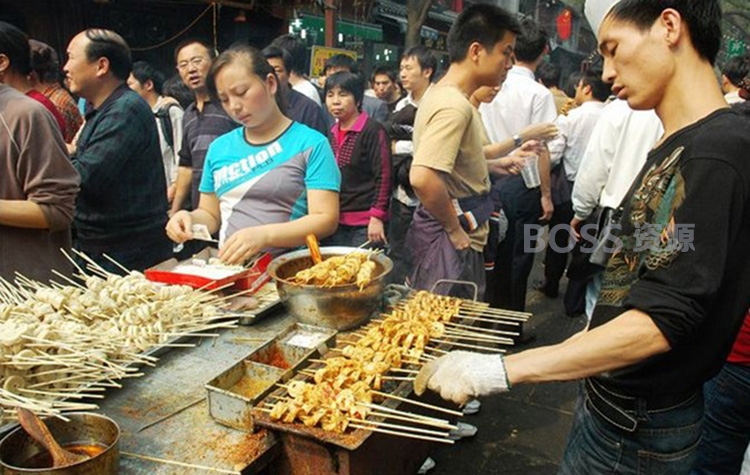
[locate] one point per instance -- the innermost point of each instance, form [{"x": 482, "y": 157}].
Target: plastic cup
[{"x": 530, "y": 172}]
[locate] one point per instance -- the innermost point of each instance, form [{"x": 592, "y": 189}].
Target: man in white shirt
[
  {"x": 615, "y": 153},
  {"x": 297, "y": 77},
  {"x": 732, "y": 75},
  {"x": 522, "y": 101},
  {"x": 147, "y": 81},
  {"x": 566, "y": 153},
  {"x": 418, "y": 65}
]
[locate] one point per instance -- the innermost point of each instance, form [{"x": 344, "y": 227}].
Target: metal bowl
[
  {"x": 85, "y": 428},
  {"x": 341, "y": 307}
]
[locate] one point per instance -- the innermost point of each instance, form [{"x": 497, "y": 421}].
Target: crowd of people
[{"x": 461, "y": 175}]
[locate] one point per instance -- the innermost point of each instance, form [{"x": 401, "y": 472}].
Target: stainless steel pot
[
  {"x": 85, "y": 428},
  {"x": 341, "y": 307}
]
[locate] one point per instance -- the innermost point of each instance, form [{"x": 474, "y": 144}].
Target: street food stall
[{"x": 316, "y": 378}]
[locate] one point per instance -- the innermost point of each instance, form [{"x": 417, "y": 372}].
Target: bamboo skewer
[
  {"x": 375, "y": 427},
  {"x": 402, "y": 434},
  {"x": 167, "y": 416},
  {"x": 388, "y": 425},
  {"x": 410, "y": 415},
  {"x": 148, "y": 458},
  {"x": 466, "y": 336},
  {"x": 489, "y": 320},
  {"x": 480, "y": 329},
  {"x": 473, "y": 347},
  {"x": 418, "y": 403}
]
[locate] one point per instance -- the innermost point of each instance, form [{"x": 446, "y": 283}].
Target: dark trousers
[
  {"x": 348, "y": 236},
  {"x": 401, "y": 218},
  {"x": 506, "y": 284},
  {"x": 139, "y": 257},
  {"x": 555, "y": 261}
]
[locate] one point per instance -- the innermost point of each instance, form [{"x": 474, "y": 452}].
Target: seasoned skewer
[
  {"x": 402, "y": 434},
  {"x": 473, "y": 347},
  {"x": 418, "y": 403}
]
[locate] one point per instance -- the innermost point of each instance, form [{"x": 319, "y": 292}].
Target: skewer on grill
[{"x": 352, "y": 422}]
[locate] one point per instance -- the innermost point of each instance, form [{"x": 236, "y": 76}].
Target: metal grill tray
[{"x": 233, "y": 393}]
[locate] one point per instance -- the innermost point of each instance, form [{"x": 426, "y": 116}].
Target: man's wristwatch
[{"x": 517, "y": 140}]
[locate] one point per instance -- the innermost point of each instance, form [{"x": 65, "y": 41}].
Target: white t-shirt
[
  {"x": 521, "y": 102},
  {"x": 615, "y": 154},
  {"x": 306, "y": 87},
  {"x": 575, "y": 132}
]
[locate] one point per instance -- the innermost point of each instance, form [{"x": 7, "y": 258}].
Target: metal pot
[
  {"x": 341, "y": 307},
  {"x": 17, "y": 447}
]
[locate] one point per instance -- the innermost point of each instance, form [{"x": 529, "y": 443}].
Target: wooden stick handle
[{"x": 417, "y": 403}]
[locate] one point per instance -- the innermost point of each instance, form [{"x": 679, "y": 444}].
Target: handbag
[{"x": 590, "y": 258}]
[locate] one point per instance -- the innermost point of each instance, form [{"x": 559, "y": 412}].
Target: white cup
[{"x": 530, "y": 172}]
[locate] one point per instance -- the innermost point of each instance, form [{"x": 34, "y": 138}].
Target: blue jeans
[
  {"x": 726, "y": 432},
  {"x": 663, "y": 443}
]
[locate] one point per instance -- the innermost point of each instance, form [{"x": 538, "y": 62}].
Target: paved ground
[{"x": 524, "y": 431}]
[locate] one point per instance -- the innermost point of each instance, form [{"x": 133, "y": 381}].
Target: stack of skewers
[
  {"x": 342, "y": 391},
  {"x": 61, "y": 346}
]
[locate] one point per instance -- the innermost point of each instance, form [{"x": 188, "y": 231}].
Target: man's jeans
[
  {"x": 664, "y": 442},
  {"x": 726, "y": 431}
]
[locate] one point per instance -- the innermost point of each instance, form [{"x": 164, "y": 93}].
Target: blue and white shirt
[{"x": 267, "y": 183}]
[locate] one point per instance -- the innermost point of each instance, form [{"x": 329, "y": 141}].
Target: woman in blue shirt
[{"x": 268, "y": 183}]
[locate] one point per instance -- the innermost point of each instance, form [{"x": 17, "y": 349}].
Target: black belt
[{"x": 621, "y": 411}]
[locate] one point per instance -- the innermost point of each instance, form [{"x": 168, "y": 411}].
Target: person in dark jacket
[{"x": 362, "y": 152}]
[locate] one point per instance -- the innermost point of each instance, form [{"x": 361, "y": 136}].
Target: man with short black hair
[
  {"x": 521, "y": 102},
  {"x": 298, "y": 107},
  {"x": 732, "y": 75},
  {"x": 148, "y": 82},
  {"x": 417, "y": 68},
  {"x": 449, "y": 172},
  {"x": 672, "y": 300},
  {"x": 549, "y": 74},
  {"x": 296, "y": 68},
  {"x": 122, "y": 207},
  {"x": 204, "y": 119},
  {"x": 566, "y": 153},
  {"x": 385, "y": 85}
]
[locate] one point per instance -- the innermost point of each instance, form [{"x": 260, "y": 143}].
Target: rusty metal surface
[
  {"x": 349, "y": 440},
  {"x": 269, "y": 303},
  {"x": 233, "y": 392},
  {"x": 191, "y": 436}
]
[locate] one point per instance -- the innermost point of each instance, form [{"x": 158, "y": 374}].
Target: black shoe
[{"x": 548, "y": 290}]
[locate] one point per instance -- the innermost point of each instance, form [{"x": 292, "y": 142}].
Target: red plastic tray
[{"x": 250, "y": 279}]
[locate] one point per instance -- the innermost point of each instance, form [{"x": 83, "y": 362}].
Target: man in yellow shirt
[{"x": 449, "y": 172}]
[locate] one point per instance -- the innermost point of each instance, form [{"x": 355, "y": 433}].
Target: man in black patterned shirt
[
  {"x": 122, "y": 206},
  {"x": 675, "y": 293}
]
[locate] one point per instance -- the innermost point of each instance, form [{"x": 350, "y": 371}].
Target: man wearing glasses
[
  {"x": 122, "y": 206},
  {"x": 204, "y": 120}
]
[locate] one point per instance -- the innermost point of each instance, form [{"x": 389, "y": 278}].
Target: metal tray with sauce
[{"x": 233, "y": 393}]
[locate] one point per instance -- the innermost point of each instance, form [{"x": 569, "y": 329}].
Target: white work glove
[{"x": 462, "y": 375}]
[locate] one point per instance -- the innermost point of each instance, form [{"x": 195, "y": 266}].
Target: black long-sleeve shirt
[
  {"x": 685, "y": 259},
  {"x": 123, "y": 189}
]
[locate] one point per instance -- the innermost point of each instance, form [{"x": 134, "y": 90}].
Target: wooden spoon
[
  {"x": 312, "y": 244},
  {"x": 38, "y": 431}
]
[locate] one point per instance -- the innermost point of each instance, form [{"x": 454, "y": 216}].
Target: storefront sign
[{"x": 319, "y": 55}]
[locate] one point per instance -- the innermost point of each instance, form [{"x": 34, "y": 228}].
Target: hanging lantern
[{"x": 564, "y": 24}]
